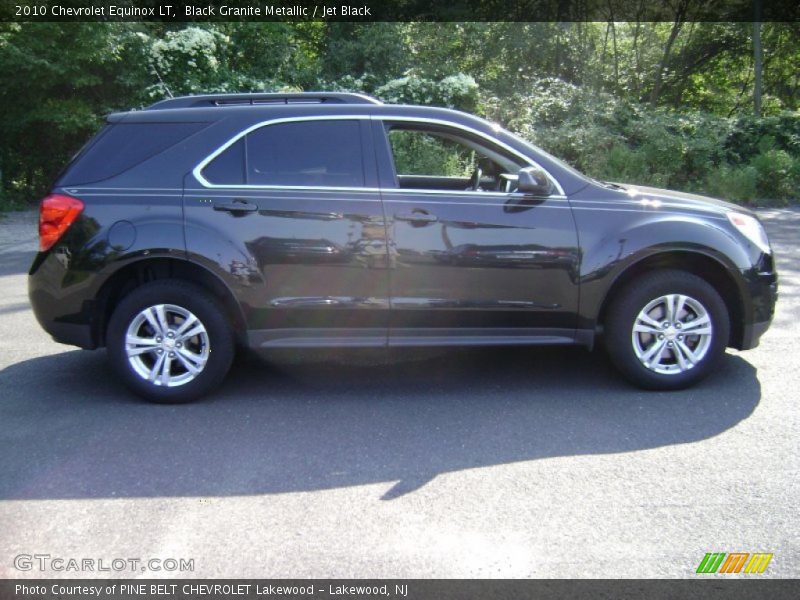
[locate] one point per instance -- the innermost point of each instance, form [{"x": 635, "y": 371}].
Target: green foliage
[
  {"x": 417, "y": 153},
  {"x": 53, "y": 100},
  {"x": 752, "y": 135},
  {"x": 623, "y": 164},
  {"x": 187, "y": 60},
  {"x": 456, "y": 91},
  {"x": 583, "y": 91},
  {"x": 376, "y": 50},
  {"x": 778, "y": 174},
  {"x": 736, "y": 158},
  {"x": 738, "y": 184}
]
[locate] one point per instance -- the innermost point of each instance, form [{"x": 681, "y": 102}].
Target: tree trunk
[
  {"x": 614, "y": 46},
  {"x": 557, "y": 65},
  {"x": 757, "y": 65},
  {"x": 680, "y": 19},
  {"x": 637, "y": 71}
]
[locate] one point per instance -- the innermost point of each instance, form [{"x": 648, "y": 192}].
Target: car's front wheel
[
  {"x": 667, "y": 330},
  {"x": 170, "y": 341}
]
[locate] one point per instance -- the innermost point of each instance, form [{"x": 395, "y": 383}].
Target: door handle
[
  {"x": 237, "y": 205},
  {"x": 417, "y": 216}
]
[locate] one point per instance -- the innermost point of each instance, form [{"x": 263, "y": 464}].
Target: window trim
[
  {"x": 455, "y": 136},
  {"x": 197, "y": 171}
]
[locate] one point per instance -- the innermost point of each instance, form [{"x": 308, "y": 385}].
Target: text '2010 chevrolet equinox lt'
[{"x": 204, "y": 223}]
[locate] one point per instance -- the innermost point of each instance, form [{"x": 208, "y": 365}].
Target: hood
[{"x": 683, "y": 198}]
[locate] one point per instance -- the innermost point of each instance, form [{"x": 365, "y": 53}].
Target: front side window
[
  {"x": 300, "y": 153},
  {"x": 441, "y": 159}
]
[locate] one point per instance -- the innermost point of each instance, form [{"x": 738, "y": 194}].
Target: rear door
[
  {"x": 473, "y": 261},
  {"x": 297, "y": 217}
]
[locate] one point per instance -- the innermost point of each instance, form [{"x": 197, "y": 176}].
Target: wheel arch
[
  {"x": 698, "y": 263},
  {"x": 139, "y": 272}
]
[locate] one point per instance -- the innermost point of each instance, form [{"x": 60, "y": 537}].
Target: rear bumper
[
  {"x": 66, "y": 317},
  {"x": 74, "y": 334}
]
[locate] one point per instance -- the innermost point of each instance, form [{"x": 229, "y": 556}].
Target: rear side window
[
  {"x": 326, "y": 153},
  {"x": 124, "y": 146},
  {"x": 303, "y": 153}
]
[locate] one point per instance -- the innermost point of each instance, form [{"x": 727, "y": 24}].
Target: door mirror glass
[{"x": 534, "y": 181}]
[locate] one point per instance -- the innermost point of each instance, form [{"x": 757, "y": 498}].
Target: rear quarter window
[
  {"x": 229, "y": 167},
  {"x": 122, "y": 147}
]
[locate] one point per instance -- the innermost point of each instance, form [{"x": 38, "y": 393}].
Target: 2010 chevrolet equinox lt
[{"x": 204, "y": 223}]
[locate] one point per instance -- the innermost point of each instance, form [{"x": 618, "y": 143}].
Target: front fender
[{"x": 608, "y": 255}]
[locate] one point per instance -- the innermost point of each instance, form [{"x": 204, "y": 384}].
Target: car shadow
[{"x": 303, "y": 423}]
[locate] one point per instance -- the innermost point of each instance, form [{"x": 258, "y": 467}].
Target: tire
[
  {"x": 194, "y": 365},
  {"x": 672, "y": 358}
]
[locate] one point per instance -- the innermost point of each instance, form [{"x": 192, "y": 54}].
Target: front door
[{"x": 472, "y": 260}]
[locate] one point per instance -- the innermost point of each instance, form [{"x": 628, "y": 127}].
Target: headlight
[{"x": 752, "y": 229}]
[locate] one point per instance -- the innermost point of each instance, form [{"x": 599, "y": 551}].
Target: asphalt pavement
[{"x": 459, "y": 463}]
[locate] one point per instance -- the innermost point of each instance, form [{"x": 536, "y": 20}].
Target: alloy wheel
[
  {"x": 167, "y": 345},
  {"x": 672, "y": 334}
]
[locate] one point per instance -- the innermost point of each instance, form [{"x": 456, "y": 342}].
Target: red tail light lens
[{"x": 56, "y": 213}]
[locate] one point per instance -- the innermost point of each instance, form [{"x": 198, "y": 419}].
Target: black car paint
[{"x": 313, "y": 267}]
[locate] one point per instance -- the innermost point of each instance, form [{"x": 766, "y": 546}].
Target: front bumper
[{"x": 762, "y": 288}]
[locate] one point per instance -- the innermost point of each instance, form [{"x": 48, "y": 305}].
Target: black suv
[{"x": 331, "y": 219}]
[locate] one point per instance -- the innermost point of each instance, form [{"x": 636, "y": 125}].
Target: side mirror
[{"x": 534, "y": 181}]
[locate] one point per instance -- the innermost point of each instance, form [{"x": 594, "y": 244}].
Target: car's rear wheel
[
  {"x": 170, "y": 341},
  {"x": 667, "y": 330}
]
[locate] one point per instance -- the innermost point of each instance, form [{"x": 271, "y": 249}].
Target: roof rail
[{"x": 208, "y": 100}]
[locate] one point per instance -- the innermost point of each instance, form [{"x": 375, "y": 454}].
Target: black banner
[
  {"x": 398, "y": 10},
  {"x": 397, "y": 589}
]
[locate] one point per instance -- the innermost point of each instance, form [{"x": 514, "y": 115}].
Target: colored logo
[{"x": 734, "y": 562}]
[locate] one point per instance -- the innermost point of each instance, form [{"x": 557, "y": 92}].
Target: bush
[
  {"x": 777, "y": 174},
  {"x": 751, "y": 135},
  {"x": 457, "y": 91},
  {"x": 741, "y": 158},
  {"x": 626, "y": 165},
  {"x": 738, "y": 184}
]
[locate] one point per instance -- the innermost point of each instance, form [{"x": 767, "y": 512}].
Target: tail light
[{"x": 56, "y": 213}]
